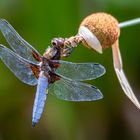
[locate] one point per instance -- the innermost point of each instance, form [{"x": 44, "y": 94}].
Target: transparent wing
[
  {"x": 19, "y": 66},
  {"x": 80, "y": 71},
  {"x": 121, "y": 76},
  {"x": 17, "y": 43},
  {"x": 70, "y": 90}
]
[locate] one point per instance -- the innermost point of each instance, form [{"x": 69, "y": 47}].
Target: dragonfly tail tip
[{"x": 33, "y": 124}]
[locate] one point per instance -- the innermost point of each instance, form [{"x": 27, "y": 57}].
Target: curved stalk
[{"x": 129, "y": 23}]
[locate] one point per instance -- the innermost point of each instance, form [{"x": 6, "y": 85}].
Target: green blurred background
[{"x": 112, "y": 118}]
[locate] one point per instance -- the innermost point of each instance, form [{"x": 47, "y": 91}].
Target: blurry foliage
[{"x": 114, "y": 117}]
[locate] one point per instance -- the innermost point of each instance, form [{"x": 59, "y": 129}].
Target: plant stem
[{"x": 129, "y": 23}]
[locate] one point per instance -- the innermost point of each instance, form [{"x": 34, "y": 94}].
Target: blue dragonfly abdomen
[{"x": 40, "y": 99}]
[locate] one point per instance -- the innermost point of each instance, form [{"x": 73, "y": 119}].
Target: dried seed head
[{"x": 103, "y": 26}]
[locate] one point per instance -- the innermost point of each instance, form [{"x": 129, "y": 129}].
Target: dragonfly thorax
[
  {"x": 44, "y": 66},
  {"x": 60, "y": 48},
  {"x": 50, "y": 52},
  {"x": 48, "y": 70}
]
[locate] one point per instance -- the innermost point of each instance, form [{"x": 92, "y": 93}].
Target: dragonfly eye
[
  {"x": 57, "y": 42},
  {"x": 54, "y": 42}
]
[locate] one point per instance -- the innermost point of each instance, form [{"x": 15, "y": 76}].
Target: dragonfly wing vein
[
  {"x": 80, "y": 71},
  {"x": 71, "y": 90},
  {"x": 16, "y": 42},
  {"x": 19, "y": 66}
]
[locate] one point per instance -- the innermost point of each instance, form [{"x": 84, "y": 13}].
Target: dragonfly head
[
  {"x": 54, "y": 52},
  {"x": 99, "y": 30},
  {"x": 64, "y": 48},
  {"x": 58, "y": 42}
]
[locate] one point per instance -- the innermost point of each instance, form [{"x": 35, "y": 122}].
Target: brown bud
[{"x": 104, "y": 27}]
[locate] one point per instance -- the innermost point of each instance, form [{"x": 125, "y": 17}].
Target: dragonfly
[{"x": 51, "y": 75}]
